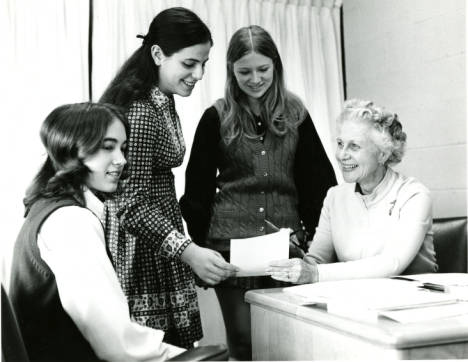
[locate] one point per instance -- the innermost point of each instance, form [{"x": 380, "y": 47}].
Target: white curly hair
[{"x": 389, "y": 137}]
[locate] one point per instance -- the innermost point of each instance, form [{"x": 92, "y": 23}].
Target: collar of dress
[
  {"x": 380, "y": 191},
  {"x": 160, "y": 99}
]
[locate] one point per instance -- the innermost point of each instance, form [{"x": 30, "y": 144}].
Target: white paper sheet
[
  {"x": 374, "y": 294},
  {"x": 455, "y": 283},
  {"x": 366, "y": 299},
  {"x": 448, "y": 279},
  {"x": 252, "y": 255}
]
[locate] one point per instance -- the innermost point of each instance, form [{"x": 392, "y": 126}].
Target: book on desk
[{"x": 405, "y": 299}]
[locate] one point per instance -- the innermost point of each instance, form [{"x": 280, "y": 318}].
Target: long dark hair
[
  {"x": 69, "y": 134},
  {"x": 172, "y": 29},
  {"x": 279, "y": 109}
]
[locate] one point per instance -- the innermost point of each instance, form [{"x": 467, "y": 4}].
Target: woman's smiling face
[
  {"x": 359, "y": 158},
  {"x": 254, "y": 74},
  {"x": 107, "y": 164},
  {"x": 179, "y": 72}
]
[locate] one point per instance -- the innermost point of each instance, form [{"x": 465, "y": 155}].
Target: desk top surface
[{"x": 381, "y": 331}]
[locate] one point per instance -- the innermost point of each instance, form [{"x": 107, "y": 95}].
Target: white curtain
[
  {"x": 44, "y": 64},
  {"x": 307, "y": 33}
]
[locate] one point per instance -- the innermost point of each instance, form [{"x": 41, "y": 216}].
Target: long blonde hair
[{"x": 281, "y": 110}]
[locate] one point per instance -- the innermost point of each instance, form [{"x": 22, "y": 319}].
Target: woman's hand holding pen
[
  {"x": 295, "y": 250},
  {"x": 208, "y": 264},
  {"x": 293, "y": 271}
]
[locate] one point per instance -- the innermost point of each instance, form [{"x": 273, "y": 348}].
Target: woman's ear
[
  {"x": 157, "y": 54},
  {"x": 383, "y": 157}
]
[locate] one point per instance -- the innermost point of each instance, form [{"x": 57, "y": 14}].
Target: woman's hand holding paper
[
  {"x": 208, "y": 264},
  {"x": 293, "y": 271}
]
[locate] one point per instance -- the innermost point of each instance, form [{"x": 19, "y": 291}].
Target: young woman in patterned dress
[{"x": 152, "y": 257}]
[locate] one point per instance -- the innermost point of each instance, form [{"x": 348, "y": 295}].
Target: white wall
[{"x": 409, "y": 56}]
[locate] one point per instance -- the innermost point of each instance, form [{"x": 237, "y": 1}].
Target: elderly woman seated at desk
[{"x": 379, "y": 222}]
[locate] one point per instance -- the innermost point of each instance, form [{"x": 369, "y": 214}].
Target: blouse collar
[
  {"x": 95, "y": 205},
  {"x": 159, "y": 98},
  {"x": 380, "y": 191}
]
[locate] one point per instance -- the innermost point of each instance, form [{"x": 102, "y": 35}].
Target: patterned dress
[{"x": 144, "y": 225}]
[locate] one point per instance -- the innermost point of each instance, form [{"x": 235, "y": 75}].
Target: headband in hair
[{"x": 144, "y": 37}]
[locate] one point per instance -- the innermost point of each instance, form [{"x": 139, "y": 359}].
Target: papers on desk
[
  {"x": 367, "y": 299},
  {"x": 454, "y": 283},
  {"x": 449, "y": 279},
  {"x": 252, "y": 255}
]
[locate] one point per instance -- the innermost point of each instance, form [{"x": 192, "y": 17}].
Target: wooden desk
[{"x": 284, "y": 330}]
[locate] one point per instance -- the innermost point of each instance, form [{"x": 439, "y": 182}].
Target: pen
[
  {"x": 434, "y": 287},
  {"x": 429, "y": 286},
  {"x": 404, "y": 278}
]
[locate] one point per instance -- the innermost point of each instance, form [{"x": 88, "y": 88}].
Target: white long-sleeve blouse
[{"x": 71, "y": 242}]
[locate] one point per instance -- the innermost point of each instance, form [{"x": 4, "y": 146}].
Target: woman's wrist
[
  {"x": 190, "y": 250},
  {"x": 310, "y": 272},
  {"x": 174, "y": 245},
  {"x": 314, "y": 273}
]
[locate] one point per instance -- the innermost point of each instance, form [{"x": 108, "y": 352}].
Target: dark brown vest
[
  {"x": 255, "y": 183},
  {"x": 48, "y": 332}
]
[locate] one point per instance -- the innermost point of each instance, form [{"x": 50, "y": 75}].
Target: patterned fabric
[{"x": 144, "y": 225}]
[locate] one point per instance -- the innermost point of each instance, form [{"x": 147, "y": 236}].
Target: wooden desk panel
[{"x": 284, "y": 330}]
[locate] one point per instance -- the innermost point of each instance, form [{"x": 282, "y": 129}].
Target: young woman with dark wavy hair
[
  {"x": 63, "y": 287},
  {"x": 256, "y": 162}
]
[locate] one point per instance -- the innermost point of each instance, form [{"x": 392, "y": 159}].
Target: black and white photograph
[{"x": 233, "y": 180}]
